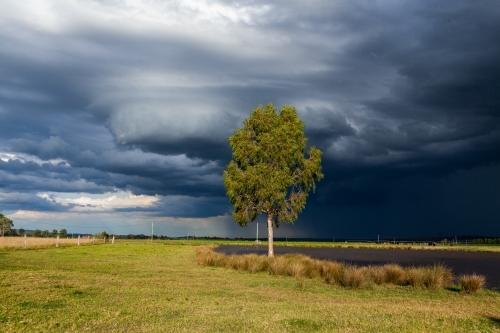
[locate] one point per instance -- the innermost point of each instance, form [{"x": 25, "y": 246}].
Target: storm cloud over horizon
[{"x": 116, "y": 113}]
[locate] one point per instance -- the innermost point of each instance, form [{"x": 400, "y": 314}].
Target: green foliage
[
  {"x": 6, "y": 224},
  {"x": 45, "y": 233},
  {"x": 37, "y": 233},
  {"x": 269, "y": 173},
  {"x": 63, "y": 233},
  {"x": 54, "y": 233},
  {"x": 21, "y": 232},
  {"x": 486, "y": 241}
]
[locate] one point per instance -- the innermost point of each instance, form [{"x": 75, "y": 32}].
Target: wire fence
[{"x": 23, "y": 242}]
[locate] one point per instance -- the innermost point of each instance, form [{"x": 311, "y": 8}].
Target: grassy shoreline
[
  {"x": 343, "y": 245},
  {"x": 136, "y": 286}
]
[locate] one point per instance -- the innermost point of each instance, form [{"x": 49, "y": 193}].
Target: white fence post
[
  {"x": 57, "y": 241},
  {"x": 78, "y": 240},
  {"x": 113, "y": 241},
  {"x": 25, "y": 241}
]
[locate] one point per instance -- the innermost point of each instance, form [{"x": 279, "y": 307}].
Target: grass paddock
[
  {"x": 38, "y": 242},
  {"x": 136, "y": 286}
]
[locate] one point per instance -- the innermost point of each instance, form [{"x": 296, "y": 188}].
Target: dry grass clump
[
  {"x": 334, "y": 273},
  {"x": 205, "y": 255},
  {"x": 353, "y": 277},
  {"x": 394, "y": 274},
  {"x": 278, "y": 266},
  {"x": 376, "y": 274},
  {"x": 471, "y": 284},
  {"x": 437, "y": 276},
  {"x": 312, "y": 267},
  {"x": 415, "y": 277},
  {"x": 296, "y": 269}
]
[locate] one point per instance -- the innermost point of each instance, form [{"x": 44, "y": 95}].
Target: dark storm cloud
[
  {"x": 440, "y": 108},
  {"x": 127, "y": 170},
  {"x": 96, "y": 100}
]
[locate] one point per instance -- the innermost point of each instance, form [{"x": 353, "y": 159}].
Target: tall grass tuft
[
  {"x": 353, "y": 277},
  {"x": 415, "y": 277},
  {"x": 376, "y": 274},
  {"x": 278, "y": 266},
  {"x": 296, "y": 269},
  {"x": 394, "y": 274},
  {"x": 471, "y": 284},
  {"x": 333, "y": 273},
  {"x": 437, "y": 276},
  {"x": 312, "y": 267}
]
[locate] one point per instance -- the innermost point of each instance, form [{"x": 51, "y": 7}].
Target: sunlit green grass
[
  {"x": 136, "y": 286},
  {"x": 345, "y": 245}
]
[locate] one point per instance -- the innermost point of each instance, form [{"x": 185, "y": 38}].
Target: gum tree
[
  {"x": 6, "y": 224},
  {"x": 269, "y": 173}
]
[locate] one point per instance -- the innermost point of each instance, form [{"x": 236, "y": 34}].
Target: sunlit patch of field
[
  {"x": 36, "y": 242},
  {"x": 345, "y": 245},
  {"x": 136, "y": 286}
]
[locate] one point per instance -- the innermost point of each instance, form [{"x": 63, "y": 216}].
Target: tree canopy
[
  {"x": 6, "y": 224},
  {"x": 269, "y": 173}
]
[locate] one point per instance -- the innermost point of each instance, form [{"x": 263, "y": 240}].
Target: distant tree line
[
  {"x": 486, "y": 241},
  {"x": 63, "y": 233},
  {"x": 141, "y": 236}
]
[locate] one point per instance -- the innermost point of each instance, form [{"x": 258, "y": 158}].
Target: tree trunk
[{"x": 270, "y": 246}]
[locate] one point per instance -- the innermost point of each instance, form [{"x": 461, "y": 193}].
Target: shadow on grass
[
  {"x": 494, "y": 320},
  {"x": 455, "y": 289}
]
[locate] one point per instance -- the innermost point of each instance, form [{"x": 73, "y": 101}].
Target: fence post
[
  {"x": 93, "y": 240},
  {"x": 78, "y": 240},
  {"x": 113, "y": 241},
  {"x": 57, "y": 241},
  {"x": 25, "y": 241}
]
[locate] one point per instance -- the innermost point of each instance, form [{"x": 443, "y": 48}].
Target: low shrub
[{"x": 471, "y": 284}]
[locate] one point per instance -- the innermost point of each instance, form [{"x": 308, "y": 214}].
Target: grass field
[
  {"x": 36, "y": 242},
  {"x": 136, "y": 286}
]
